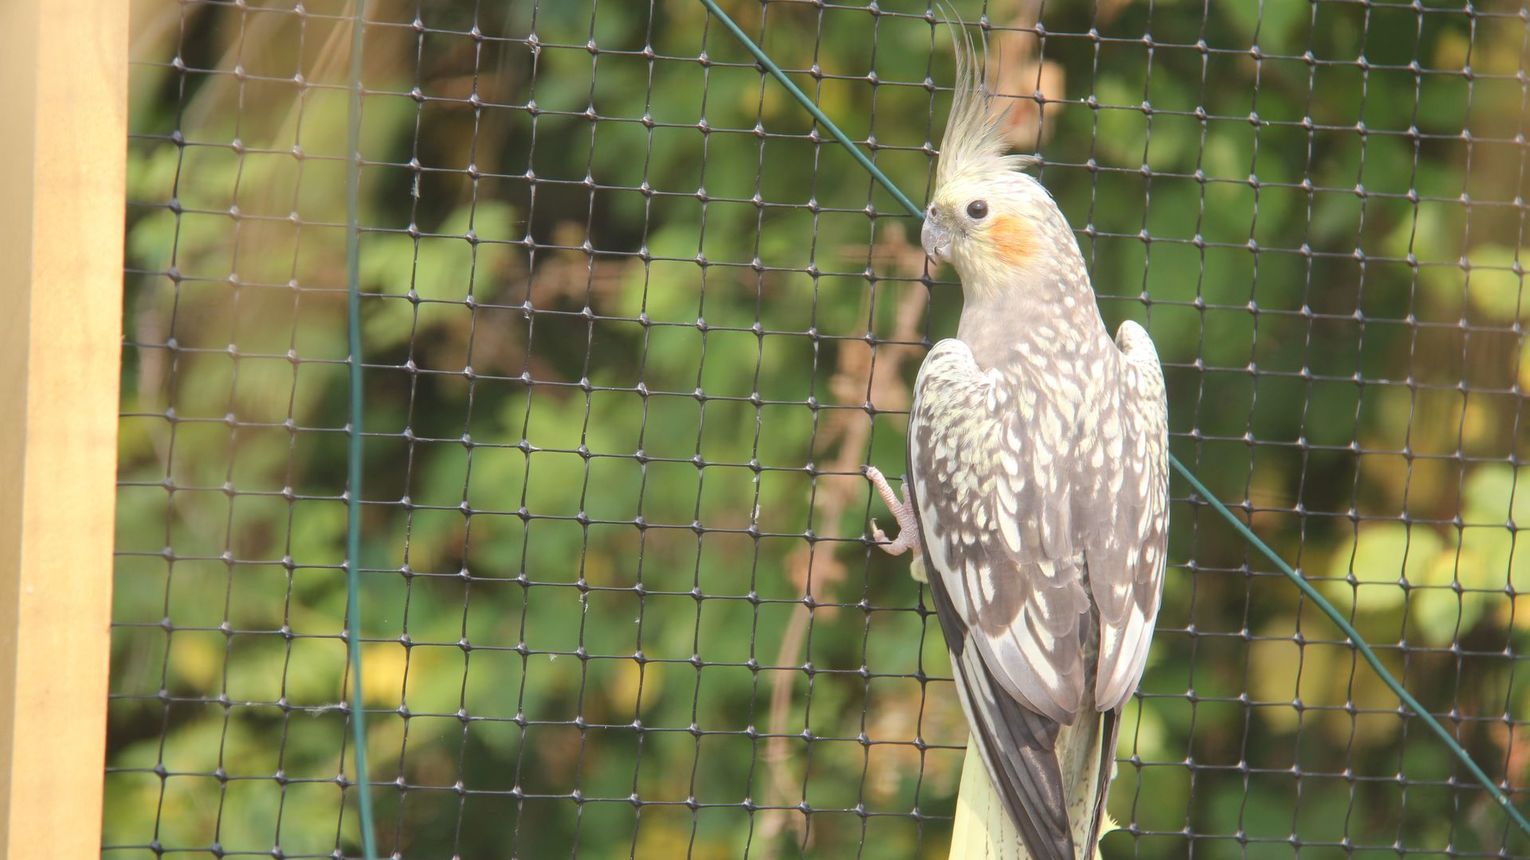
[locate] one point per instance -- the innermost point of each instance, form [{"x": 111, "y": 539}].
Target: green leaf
[
  {"x": 1493, "y": 288},
  {"x": 1381, "y": 556}
]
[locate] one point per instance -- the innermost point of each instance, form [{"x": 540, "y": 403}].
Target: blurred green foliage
[{"x": 1328, "y": 261}]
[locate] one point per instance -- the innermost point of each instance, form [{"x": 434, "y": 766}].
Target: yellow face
[{"x": 983, "y": 224}]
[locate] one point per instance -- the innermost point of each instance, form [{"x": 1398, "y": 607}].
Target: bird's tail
[{"x": 983, "y": 829}]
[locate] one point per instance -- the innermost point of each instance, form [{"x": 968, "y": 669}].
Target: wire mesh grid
[{"x": 632, "y": 326}]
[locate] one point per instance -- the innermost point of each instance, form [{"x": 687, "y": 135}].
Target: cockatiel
[{"x": 1036, "y": 500}]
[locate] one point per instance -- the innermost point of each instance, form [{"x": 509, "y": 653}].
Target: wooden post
[{"x": 62, "y": 181}]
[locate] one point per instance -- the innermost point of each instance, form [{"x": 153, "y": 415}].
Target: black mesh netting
[{"x": 632, "y": 326}]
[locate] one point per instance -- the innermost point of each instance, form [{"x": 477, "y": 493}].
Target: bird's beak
[{"x": 935, "y": 237}]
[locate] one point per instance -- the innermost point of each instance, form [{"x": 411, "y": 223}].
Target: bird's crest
[{"x": 974, "y": 140}]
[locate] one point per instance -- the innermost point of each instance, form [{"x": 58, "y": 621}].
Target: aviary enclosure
[{"x": 631, "y": 323}]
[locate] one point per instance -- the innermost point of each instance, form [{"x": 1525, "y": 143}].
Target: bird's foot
[{"x": 908, "y": 528}]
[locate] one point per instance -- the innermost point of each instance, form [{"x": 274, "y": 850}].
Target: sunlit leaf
[{"x": 1381, "y": 557}]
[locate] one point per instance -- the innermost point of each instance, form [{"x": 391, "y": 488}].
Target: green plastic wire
[
  {"x": 1354, "y": 636},
  {"x": 807, "y": 104},
  {"x": 1322, "y": 603},
  {"x": 353, "y": 437}
]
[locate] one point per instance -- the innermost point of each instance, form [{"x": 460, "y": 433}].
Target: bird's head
[{"x": 988, "y": 218}]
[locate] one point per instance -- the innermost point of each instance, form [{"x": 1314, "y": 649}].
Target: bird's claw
[
  {"x": 877, "y": 535},
  {"x": 908, "y": 528}
]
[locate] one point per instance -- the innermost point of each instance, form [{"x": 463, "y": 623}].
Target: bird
[{"x": 1035, "y": 501}]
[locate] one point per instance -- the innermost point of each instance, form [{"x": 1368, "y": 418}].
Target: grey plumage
[
  {"x": 1038, "y": 456},
  {"x": 1043, "y": 516},
  {"x": 1038, "y": 476}
]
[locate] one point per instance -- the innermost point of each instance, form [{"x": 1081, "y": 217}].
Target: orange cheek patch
[{"x": 1012, "y": 238}]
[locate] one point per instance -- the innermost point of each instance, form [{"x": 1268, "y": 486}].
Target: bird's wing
[
  {"x": 994, "y": 519},
  {"x": 1121, "y": 492}
]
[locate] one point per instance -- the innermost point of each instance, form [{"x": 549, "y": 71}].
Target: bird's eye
[{"x": 977, "y": 209}]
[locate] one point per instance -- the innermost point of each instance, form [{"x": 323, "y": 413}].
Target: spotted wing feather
[
  {"x": 1007, "y": 576},
  {"x": 1121, "y": 493}
]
